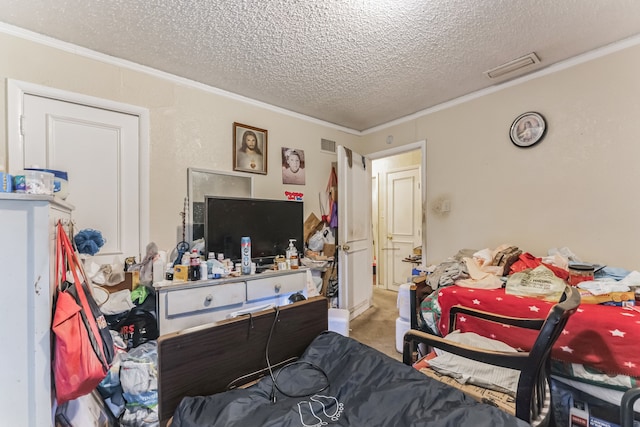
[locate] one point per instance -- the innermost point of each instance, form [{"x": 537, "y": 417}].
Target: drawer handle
[
  {"x": 208, "y": 299},
  {"x": 277, "y": 287}
]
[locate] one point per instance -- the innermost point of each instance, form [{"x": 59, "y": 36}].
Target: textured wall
[
  {"x": 189, "y": 127},
  {"x": 576, "y": 188}
]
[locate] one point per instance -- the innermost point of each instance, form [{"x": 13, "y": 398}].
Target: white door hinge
[{"x": 21, "y": 125}]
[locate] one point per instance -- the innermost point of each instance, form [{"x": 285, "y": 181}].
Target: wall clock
[{"x": 528, "y": 129}]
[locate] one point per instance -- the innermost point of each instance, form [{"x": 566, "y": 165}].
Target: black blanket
[{"x": 365, "y": 388}]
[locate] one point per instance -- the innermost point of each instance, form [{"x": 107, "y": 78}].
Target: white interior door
[
  {"x": 355, "y": 288},
  {"x": 375, "y": 226},
  {"x": 100, "y": 150},
  {"x": 403, "y": 224}
]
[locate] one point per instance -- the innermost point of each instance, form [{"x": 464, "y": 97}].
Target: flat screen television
[{"x": 269, "y": 223}]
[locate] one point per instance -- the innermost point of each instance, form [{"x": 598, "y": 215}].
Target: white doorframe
[
  {"x": 16, "y": 90},
  {"x": 422, "y": 146}
]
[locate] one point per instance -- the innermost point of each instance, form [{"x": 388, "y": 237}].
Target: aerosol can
[{"x": 245, "y": 249}]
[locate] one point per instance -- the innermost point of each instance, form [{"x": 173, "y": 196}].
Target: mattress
[{"x": 341, "y": 382}]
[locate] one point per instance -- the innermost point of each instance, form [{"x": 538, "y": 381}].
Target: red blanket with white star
[{"x": 604, "y": 337}]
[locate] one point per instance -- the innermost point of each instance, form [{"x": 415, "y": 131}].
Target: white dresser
[
  {"x": 182, "y": 305},
  {"x": 27, "y": 256}
]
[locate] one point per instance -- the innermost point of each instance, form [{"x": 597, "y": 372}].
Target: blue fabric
[
  {"x": 88, "y": 241},
  {"x": 615, "y": 273}
]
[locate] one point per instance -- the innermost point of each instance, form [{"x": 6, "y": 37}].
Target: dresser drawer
[
  {"x": 272, "y": 286},
  {"x": 191, "y": 300}
]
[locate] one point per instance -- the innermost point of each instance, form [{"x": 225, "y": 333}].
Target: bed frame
[{"x": 214, "y": 358}]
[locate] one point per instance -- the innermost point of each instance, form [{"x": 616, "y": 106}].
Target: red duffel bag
[{"x": 79, "y": 359}]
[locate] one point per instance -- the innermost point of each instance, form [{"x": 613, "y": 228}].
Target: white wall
[
  {"x": 576, "y": 188},
  {"x": 191, "y": 126}
]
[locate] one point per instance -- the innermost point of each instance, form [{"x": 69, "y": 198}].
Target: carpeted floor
[{"x": 376, "y": 327}]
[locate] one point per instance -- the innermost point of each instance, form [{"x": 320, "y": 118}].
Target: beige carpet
[{"x": 376, "y": 327}]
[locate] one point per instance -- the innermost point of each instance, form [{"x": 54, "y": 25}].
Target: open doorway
[{"x": 398, "y": 194}]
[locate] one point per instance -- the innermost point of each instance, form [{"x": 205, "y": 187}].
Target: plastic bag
[
  {"x": 316, "y": 242},
  {"x": 320, "y": 238},
  {"x": 139, "y": 380},
  {"x": 538, "y": 283},
  {"x": 139, "y": 376}
]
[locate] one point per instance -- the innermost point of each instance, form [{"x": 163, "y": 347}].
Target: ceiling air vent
[
  {"x": 327, "y": 146},
  {"x": 513, "y": 66}
]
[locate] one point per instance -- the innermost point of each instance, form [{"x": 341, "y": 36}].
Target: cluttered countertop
[{"x": 178, "y": 284}]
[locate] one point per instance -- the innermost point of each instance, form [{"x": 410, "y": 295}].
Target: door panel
[
  {"x": 375, "y": 227},
  {"x": 403, "y": 224},
  {"x": 100, "y": 151},
  {"x": 354, "y": 232}
]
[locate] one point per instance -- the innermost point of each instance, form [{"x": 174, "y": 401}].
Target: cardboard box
[
  {"x": 131, "y": 281},
  {"x": 311, "y": 225},
  {"x": 329, "y": 250}
]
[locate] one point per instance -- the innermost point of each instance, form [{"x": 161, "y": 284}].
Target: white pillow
[{"x": 472, "y": 372}]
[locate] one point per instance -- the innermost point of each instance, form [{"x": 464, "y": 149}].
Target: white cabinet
[
  {"x": 182, "y": 305},
  {"x": 273, "y": 287},
  {"x": 27, "y": 255},
  {"x": 190, "y": 301}
]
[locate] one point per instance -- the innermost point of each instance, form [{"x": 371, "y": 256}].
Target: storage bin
[
  {"x": 60, "y": 181},
  {"x": 402, "y": 327},
  {"x": 339, "y": 321},
  {"x": 404, "y": 301},
  {"x": 38, "y": 182}
]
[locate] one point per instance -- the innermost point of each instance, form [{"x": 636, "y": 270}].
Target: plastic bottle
[
  {"x": 210, "y": 263},
  {"x": 194, "y": 265},
  {"x": 158, "y": 270},
  {"x": 204, "y": 274},
  {"x": 186, "y": 258},
  {"x": 292, "y": 255},
  {"x": 245, "y": 250}
]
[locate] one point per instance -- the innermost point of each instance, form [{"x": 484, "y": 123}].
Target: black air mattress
[{"x": 366, "y": 388}]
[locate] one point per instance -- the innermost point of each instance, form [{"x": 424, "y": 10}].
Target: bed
[
  {"x": 596, "y": 335},
  {"x": 593, "y": 363},
  {"x": 328, "y": 379}
]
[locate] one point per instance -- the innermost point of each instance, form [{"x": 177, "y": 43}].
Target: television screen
[{"x": 269, "y": 223}]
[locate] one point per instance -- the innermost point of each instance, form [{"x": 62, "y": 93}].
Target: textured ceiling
[{"x": 354, "y": 63}]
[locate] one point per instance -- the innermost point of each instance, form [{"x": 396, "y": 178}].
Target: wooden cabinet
[
  {"x": 182, "y": 305},
  {"x": 27, "y": 256}
]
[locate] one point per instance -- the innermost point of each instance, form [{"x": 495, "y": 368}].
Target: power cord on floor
[{"x": 274, "y": 382}]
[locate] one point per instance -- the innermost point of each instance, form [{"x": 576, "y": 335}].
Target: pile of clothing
[{"x": 522, "y": 273}]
